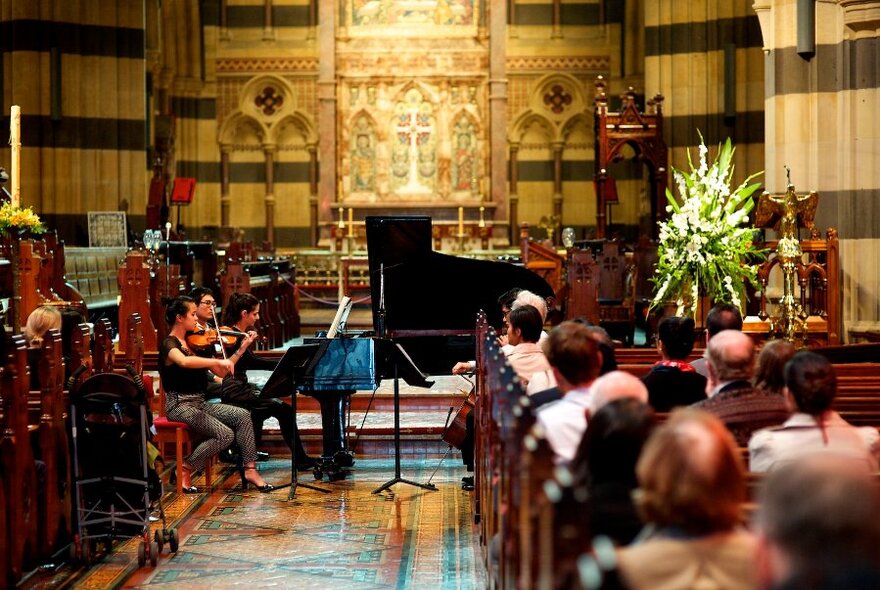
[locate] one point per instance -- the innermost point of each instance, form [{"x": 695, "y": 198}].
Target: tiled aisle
[{"x": 349, "y": 538}]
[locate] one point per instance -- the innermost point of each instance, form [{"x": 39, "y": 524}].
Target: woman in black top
[
  {"x": 242, "y": 312},
  {"x": 673, "y": 381},
  {"x": 185, "y": 377}
]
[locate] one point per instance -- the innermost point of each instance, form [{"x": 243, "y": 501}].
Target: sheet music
[{"x": 341, "y": 315}]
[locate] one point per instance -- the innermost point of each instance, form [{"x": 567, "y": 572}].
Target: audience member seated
[
  {"x": 40, "y": 321},
  {"x": 185, "y": 379},
  {"x": 605, "y": 465},
  {"x": 770, "y": 368},
  {"x": 723, "y": 316},
  {"x": 691, "y": 489},
  {"x": 524, "y": 327},
  {"x": 542, "y": 387},
  {"x": 524, "y": 297},
  {"x": 743, "y": 410},
  {"x": 574, "y": 355},
  {"x": 814, "y": 428},
  {"x": 819, "y": 527},
  {"x": 673, "y": 381}
]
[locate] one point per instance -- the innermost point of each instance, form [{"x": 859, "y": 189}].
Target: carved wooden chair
[{"x": 617, "y": 283}]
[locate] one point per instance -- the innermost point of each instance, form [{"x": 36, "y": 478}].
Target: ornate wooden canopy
[{"x": 643, "y": 132}]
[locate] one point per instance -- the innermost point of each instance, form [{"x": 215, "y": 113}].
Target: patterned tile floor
[{"x": 406, "y": 537}]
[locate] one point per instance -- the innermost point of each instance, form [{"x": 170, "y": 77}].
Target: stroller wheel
[
  {"x": 154, "y": 553},
  {"x": 172, "y": 541},
  {"x": 159, "y": 539},
  {"x": 142, "y": 554},
  {"x": 85, "y": 552}
]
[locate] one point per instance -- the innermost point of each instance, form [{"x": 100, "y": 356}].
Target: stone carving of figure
[{"x": 363, "y": 164}]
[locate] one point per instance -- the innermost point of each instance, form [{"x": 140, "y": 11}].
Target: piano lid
[{"x": 433, "y": 292}]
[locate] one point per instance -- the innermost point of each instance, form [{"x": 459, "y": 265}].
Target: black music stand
[
  {"x": 391, "y": 357},
  {"x": 283, "y": 381}
]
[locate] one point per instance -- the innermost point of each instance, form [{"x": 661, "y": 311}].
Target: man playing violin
[{"x": 242, "y": 312}]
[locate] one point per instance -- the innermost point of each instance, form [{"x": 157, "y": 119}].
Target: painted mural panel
[{"x": 410, "y": 17}]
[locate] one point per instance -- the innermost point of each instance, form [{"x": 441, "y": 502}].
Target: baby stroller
[{"x": 112, "y": 475}]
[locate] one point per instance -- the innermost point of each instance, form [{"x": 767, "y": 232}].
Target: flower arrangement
[
  {"x": 706, "y": 246},
  {"x": 13, "y": 217}
]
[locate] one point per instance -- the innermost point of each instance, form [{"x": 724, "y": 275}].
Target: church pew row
[
  {"x": 39, "y": 519},
  {"x": 38, "y": 513},
  {"x": 533, "y": 523}
]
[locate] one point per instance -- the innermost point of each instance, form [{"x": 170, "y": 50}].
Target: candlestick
[
  {"x": 341, "y": 219},
  {"x": 482, "y": 218},
  {"x": 350, "y": 222},
  {"x": 461, "y": 221},
  {"x": 15, "y": 144}
]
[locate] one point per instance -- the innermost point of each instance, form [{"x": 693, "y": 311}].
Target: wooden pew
[
  {"x": 536, "y": 468},
  {"x": 56, "y": 510},
  {"x": 16, "y": 456},
  {"x": 102, "y": 356},
  {"x": 136, "y": 288}
]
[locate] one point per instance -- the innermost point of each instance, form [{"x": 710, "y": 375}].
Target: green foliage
[{"x": 706, "y": 245}]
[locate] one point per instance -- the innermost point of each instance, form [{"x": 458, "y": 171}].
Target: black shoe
[
  {"x": 467, "y": 483},
  {"x": 265, "y": 489},
  {"x": 261, "y": 456}
]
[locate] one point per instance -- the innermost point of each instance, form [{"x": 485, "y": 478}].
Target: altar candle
[
  {"x": 341, "y": 219},
  {"x": 482, "y": 219},
  {"x": 350, "y": 222},
  {"x": 461, "y": 221},
  {"x": 15, "y": 143}
]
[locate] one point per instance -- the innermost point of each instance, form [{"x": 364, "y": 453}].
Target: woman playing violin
[
  {"x": 242, "y": 313},
  {"x": 185, "y": 378}
]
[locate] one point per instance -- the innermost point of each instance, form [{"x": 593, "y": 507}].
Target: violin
[{"x": 206, "y": 338}]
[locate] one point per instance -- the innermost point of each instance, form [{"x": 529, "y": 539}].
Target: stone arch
[
  {"x": 230, "y": 127},
  {"x": 524, "y": 122},
  {"x": 299, "y": 120}
]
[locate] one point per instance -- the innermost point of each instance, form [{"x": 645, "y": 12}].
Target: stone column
[
  {"x": 268, "y": 31},
  {"x": 820, "y": 121},
  {"x": 327, "y": 109},
  {"x": 498, "y": 104},
  {"x": 514, "y": 195},
  {"x": 269, "y": 200},
  {"x": 225, "y": 200},
  {"x": 557, "y": 20},
  {"x": 313, "y": 194}
]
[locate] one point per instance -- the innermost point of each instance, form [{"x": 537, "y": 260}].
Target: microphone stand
[
  {"x": 380, "y": 314},
  {"x": 381, "y": 333},
  {"x": 168, "y": 262}
]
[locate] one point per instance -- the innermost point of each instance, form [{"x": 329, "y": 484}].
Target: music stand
[
  {"x": 283, "y": 382},
  {"x": 391, "y": 355}
]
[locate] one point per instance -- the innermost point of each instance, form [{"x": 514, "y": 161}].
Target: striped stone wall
[
  {"x": 821, "y": 121},
  {"x": 79, "y": 76},
  {"x": 704, "y": 57}
]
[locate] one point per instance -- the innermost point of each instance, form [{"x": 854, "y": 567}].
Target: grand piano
[{"x": 431, "y": 300}]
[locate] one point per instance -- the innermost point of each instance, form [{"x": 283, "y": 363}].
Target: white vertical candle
[
  {"x": 461, "y": 221},
  {"x": 341, "y": 219},
  {"x": 15, "y": 144},
  {"x": 350, "y": 222}
]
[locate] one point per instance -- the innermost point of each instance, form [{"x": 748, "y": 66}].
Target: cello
[{"x": 455, "y": 431}]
